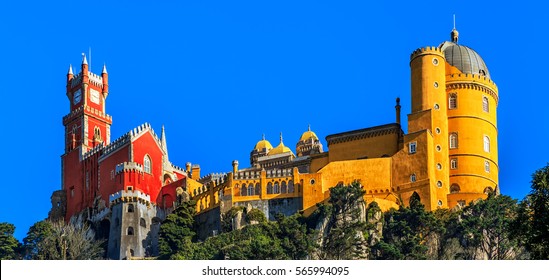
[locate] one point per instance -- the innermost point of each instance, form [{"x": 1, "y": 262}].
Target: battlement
[
  {"x": 127, "y": 196},
  {"x": 179, "y": 169},
  {"x": 93, "y": 151},
  {"x": 95, "y": 79},
  {"x": 243, "y": 175},
  {"x": 73, "y": 113},
  {"x": 277, "y": 173},
  {"x": 426, "y": 50},
  {"x": 114, "y": 145},
  {"x": 97, "y": 112},
  {"x": 475, "y": 77},
  {"x": 77, "y": 79},
  {"x": 141, "y": 129},
  {"x": 128, "y": 166},
  {"x": 217, "y": 178}
]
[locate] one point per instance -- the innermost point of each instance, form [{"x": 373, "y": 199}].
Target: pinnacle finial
[
  {"x": 280, "y": 137},
  {"x": 309, "y": 127},
  {"x": 454, "y": 35},
  {"x": 84, "y": 60},
  {"x": 104, "y": 69},
  {"x": 263, "y": 138},
  {"x": 70, "y": 69}
]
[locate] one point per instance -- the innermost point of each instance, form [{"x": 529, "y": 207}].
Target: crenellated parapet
[
  {"x": 98, "y": 113},
  {"x": 95, "y": 150},
  {"x": 472, "y": 81},
  {"x": 95, "y": 79},
  {"x": 129, "y": 167},
  {"x": 76, "y": 80},
  {"x": 426, "y": 50},
  {"x": 216, "y": 178},
  {"x": 129, "y": 196},
  {"x": 114, "y": 145}
]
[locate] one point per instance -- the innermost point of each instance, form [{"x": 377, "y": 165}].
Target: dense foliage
[{"x": 9, "y": 246}]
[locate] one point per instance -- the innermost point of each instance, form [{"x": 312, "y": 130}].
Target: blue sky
[{"x": 219, "y": 74}]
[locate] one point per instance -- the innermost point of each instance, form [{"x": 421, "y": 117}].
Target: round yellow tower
[
  {"x": 429, "y": 118},
  {"x": 471, "y": 98}
]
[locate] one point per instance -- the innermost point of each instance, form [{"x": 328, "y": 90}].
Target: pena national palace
[{"x": 128, "y": 185}]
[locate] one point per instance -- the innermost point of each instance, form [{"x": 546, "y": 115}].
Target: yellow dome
[
  {"x": 308, "y": 135},
  {"x": 263, "y": 144},
  {"x": 279, "y": 150}
]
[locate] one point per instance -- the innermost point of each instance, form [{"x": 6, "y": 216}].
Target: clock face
[
  {"x": 77, "y": 97},
  {"x": 94, "y": 96}
]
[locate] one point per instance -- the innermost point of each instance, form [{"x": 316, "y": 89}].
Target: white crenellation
[
  {"x": 93, "y": 151},
  {"x": 95, "y": 79},
  {"x": 128, "y": 166},
  {"x": 126, "y": 195}
]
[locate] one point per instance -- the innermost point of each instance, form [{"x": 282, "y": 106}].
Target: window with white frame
[
  {"x": 412, "y": 147},
  {"x": 452, "y": 101},
  {"x": 453, "y": 140},
  {"x": 487, "y": 166},
  {"x": 486, "y": 143},
  {"x": 413, "y": 177},
  {"x": 147, "y": 164},
  {"x": 454, "y": 163},
  {"x": 485, "y": 104}
]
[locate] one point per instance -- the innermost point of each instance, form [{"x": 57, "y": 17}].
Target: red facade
[{"x": 94, "y": 167}]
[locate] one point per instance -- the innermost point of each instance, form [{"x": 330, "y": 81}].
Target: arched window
[
  {"x": 132, "y": 254},
  {"x": 97, "y": 133},
  {"x": 453, "y": 140},
  {"x": 269, "y": 188},
  {"x": 454, "y": 188},
  {"x": 257, "y": 189},
  {"x": 251, "y": 189},
  {"x": 142, "y": 223},
  {"x": 454, "y": 163},
  {"x": 147, "y": 164},
  {"x": 291, "y": 186},
  {"x": 283, "y": 187},
  {"x": 485, "y": 104},
  {"x": 487, "y": 166},
  {"x": 130, "y": 208},
  {"x": 452, "y": 101},
  {"x": 486, "y": 144},
  {"x": 130, "y": 231},
  {"x": 276, "y": 188},
  {"x": 488, "y": 190},
  {"x": 415, "y": 199},
  {"x": 413, "y": 177},
  {"x": 243, "y": 190}
]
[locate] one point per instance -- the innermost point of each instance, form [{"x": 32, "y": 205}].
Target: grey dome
[{"x": 464, "y": 58}]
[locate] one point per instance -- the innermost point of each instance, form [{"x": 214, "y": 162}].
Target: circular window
[
  {"x": 436, "y": 85},
  {"x": 439, "y": 184},
  {"x": 437, "y": 107},
  {"x": 437, "y": 130},
  {"x": 439, "y": 203},
  {"x": 439, "y": 166},
  {"x": 435, "y": 61},
  {"x": 312, "y": 181},
  {"x": 438, "y": 148}
]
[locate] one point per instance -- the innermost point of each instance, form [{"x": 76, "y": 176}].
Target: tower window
[
  {"x": 413, "y": 177},
  {"x": 487, "y": 166},
  {"x": 130, "y": 208},
  {"x": 485, "y": 104},
  {"x": 243, "y": 190},
  {"x": 142, "y": 223},
  {"x": 486, "y": 144},
  {"x": 452, "y": 102},
  {"x": 412, "y": 147},
  {"x": 454, "y": 188},
  {"x": 251, "y": 189},
  {"x": 454, "y": 163},
  {"x": 147, "y": 164},
  {"x": 453, "y": 140},
  {"x": 130, "y": 231}
]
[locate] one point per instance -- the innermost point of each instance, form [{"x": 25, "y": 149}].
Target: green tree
[
  {"x": 345, "y": 237},
  {"x": 485, "y": 229},
  {"x": 297, "y": 241},
  {"x": 48, "y": 240},
  {"x": 532, "y": 223},
  {"x": 407, "y": 233},
  {"x": 9, "y": 245},
  {"x": 177, "y": 233}
]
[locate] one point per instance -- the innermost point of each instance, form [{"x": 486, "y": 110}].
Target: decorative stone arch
[
  {"x": 414, "y": 199},
  {"x": 291, "y": 188},
  {"x": 283, "y": 187},
  {"x": 269, "y": 188},
  {"x": 257, "y": 189},
  {"x": 251, "y": 189},
  {"x": 243, "y": 190},
  {"x": 276, "y": 187}
]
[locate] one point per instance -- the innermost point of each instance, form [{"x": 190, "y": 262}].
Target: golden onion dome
[
  {"x": 263, "y": 144},
  {"x": 280, "y": 149},
  {"x": 308, "y": 135}
]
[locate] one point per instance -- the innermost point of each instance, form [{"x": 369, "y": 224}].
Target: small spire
[
  {"x": 163, "y": 139},
  {"x": 454, "y": 35},
  {"x": 84, "y": 60},
  {"x": 104, "y": 69},
  {"x": 263, "y": 138},
  {"x": 309, "y": 127},
  {"x": 70, "y": 69},
  {"x": 280, "y": 137}
]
